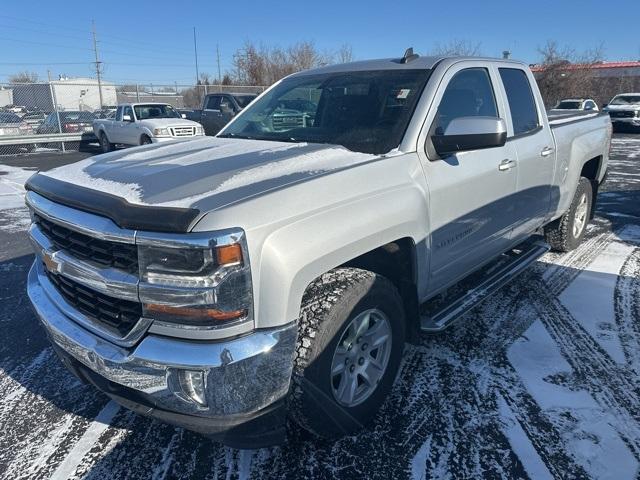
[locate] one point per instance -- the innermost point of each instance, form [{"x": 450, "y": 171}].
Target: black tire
[
  {"x": 145, "y": 140},
  {"x": 560, "y": 233},
  {"x": 330, "y": 304},
  {"x": 105, "y": 144}
]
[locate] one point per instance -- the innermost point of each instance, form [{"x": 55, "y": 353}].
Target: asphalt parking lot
[{"x": 541, "y": 381}]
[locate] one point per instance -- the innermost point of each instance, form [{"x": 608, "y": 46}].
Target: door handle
[
  {"x": 546, "y": 151},
  {"x": 506, "y": 164}
]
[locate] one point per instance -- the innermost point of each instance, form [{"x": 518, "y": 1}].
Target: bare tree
[
  {"x": 344, "y": 54},
  {"x": 565, "y": 73},
  {"x": 457, "y": 48},
  {"x": 261, "y": 65},
  {"x": 24, "y": 77}
]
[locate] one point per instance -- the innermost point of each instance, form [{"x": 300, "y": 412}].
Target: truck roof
[{"x": 418, "y": 63}]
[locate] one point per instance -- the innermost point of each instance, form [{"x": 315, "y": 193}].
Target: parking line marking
[{"x": 102, "y": 421}]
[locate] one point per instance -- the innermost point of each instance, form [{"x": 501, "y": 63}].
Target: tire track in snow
[{"x": 627, "y": 310}]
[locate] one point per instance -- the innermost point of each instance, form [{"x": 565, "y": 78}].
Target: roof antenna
[{"x": 409, "y": 55}]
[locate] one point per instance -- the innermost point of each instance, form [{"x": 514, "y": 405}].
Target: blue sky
[{"x": 153, "y": 41}]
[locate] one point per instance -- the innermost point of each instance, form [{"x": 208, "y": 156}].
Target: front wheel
[
  {"x": 565, "y": 233},
  {"x": 351, "y": 338},
  {"x": 145, "y": 140}
]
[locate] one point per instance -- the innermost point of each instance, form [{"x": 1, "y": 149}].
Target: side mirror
[
  {"x": 604, "y": 105},
  {"x": 471, "y": 133},
  {"x": 127, "y": 118},
  {"x": 226, "y": 108},
  {"x": 183, "y": 115}
]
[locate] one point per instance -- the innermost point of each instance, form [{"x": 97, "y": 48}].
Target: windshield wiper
[{"x": 235, "y": 135}]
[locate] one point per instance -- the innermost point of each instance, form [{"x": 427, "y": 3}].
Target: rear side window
[
  {"x": 213, "y": 103},
  {"x": 521, "y": 102},
  {"x": 469, "y": 94}
]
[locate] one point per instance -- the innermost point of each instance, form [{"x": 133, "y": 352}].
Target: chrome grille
[
  {"x": 284, "y": 122},
  {"x": 622, "y": 114},
  {"x": 110, "y": 254},
  {"x": 114, "y": 313},
  {"x": 183, "y": 131}
]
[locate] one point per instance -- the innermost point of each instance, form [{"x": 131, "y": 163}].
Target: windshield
[
  {"x": 244, "y": 100},
  {"x": 626, "y": 100},
  {"x": 568, "y": 105},
  {"x": 9, "y": 118},
  {"x": 143, "y": 112},
  {"x": 363, "y": 111}
]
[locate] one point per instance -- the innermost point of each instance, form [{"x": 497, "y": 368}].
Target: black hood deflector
[{"x": 121, "y": 212}]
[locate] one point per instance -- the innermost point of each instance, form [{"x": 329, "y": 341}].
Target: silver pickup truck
[
  {"x": 143, "y": 124},
  {"x": 228, "y": 283}
]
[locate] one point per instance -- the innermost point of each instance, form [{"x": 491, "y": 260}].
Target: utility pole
[
  {"x": 195, "y": 49},
  {"x": 98, "y": 62},
  {"x": 218, "y": 56}
]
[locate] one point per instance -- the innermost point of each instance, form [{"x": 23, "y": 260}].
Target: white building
[
  {"x": 6, "y": 96},
  {"x": 66, "y": 94}
]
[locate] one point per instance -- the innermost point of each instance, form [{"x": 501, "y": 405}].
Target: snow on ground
[
  {"x": 15, "y": 216},
  {"x": 541, "y": 381}
]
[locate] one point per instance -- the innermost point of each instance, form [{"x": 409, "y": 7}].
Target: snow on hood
[
  {"x": 218, "y": 170},
  {"x": 626, "y": 106}
]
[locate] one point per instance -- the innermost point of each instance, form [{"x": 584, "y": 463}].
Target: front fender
[{"x": 297, "y": 253}]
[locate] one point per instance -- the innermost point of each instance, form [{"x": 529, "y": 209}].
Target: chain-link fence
[{"x": 59, "y": 115}]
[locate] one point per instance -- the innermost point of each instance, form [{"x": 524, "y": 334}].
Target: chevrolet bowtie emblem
[{"x": 49, "y": 262}]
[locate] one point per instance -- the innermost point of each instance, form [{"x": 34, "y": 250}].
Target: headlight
[
  {"x": 195, "y": 279},
  {"x": 199, "y": 130},
  {"x": 161, "y": 132}
]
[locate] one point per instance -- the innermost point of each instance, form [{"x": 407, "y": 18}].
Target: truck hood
[
  {"x": 624, "y": 108},
  {"x": 207, "y": 173},
  {"x": 167, "y": 122}
]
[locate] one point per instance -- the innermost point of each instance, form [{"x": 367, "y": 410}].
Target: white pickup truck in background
[{"x": 142, "y": 124}]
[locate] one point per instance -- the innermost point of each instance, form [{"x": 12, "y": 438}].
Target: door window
[
  {"x": 469, "y": 94},
  {"x": 128, "y": 111},
  {"x": 213, "y": 103},
  {"x": 524, "y": 113},
  {"x": 226, "y": 104}
]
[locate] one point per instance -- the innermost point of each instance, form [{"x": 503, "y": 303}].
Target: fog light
[{"x": 192, "y": 386}]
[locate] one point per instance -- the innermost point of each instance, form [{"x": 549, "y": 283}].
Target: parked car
[
  {"x": 579, "y": 104},
  {"x": 12, "y": 125},
  {"x": 225, "y": 283},
  {"x": 218, "y": 109},
  {"x": 142, "y": 124},
  {"x": 624, "y": 110},
  {"x": 35, "y": 119},
  {"x": 106, "y": 112},
  {"x": 70, "y": 121}
]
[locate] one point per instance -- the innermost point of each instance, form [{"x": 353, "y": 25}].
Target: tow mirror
[
  {"x": 183, "y": 115},
  {"x": 126, "y": 118},
  {"x": 471, "y": 133}
]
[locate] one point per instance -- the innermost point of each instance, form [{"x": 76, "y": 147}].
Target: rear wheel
[
  {"x": 351, "y": 338},
  {"x": 565, "y": 233},
  {"x": 105, "y": 144}
]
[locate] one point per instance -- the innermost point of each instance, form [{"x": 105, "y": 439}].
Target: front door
[
  {"x": 211, "y": 115},
  {"x": 470, "y": 194}
]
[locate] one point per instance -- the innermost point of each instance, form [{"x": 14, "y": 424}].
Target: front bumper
[
  {"x": 169, "y": 139},
  {"x": 245, "y": 378}
]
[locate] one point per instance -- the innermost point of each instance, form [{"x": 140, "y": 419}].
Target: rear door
[
  {"x": 211, "y": 114},
  {"x": 470, "y": 197},
  {"x": 531, "y": 137}
]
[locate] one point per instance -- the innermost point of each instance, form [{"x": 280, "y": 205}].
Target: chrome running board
[{"x": 507, "y": 267}]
